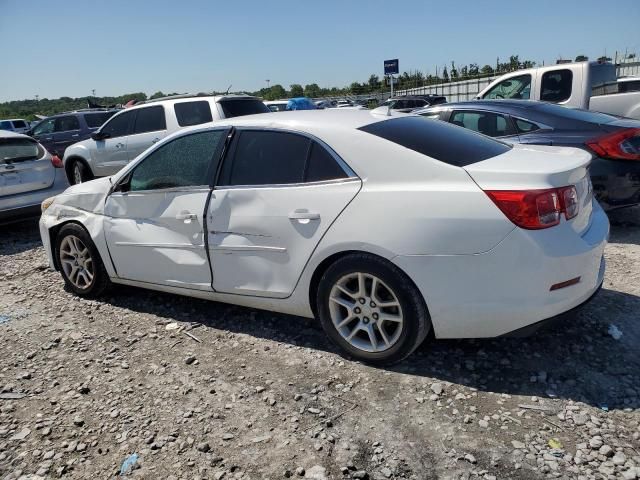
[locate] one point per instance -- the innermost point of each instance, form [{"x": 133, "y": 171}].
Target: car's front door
[
  {"x": 109, "y": 154},
  {"x": 150, "y": 127},
  {"x": 65, "y": 133},
  {"x": 43, "y": 133},
  {"x": 154, "y": 221},
  {"x": 277, "y": 194}
]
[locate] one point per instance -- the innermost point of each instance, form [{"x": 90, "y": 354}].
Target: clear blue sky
[{"x": 68, "y": 47}]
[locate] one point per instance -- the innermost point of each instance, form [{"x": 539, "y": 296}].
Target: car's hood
[{"x": 88, "y": 196}]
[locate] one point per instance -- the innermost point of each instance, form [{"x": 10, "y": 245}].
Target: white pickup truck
[{"x": 588, "y": 85}]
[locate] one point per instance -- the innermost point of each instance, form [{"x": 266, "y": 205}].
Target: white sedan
[{"x": 383, "y": 227}]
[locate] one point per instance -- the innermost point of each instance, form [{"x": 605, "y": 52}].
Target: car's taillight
[
  {"x": 536, "y": 209},
  {"x": 620, "y": 145},
  {"x": 56, "y": 162}
]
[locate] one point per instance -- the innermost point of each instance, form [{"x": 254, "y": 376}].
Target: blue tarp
[{"x": 301, "y": 103}]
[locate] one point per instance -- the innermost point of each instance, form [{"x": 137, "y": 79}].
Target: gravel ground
[{"x": 205, "y": 390}]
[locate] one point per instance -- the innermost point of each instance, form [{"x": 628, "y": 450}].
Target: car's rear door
[
  {"x": 154, "y": 221},
  {"x": 43, "y": 133},
  {"x": 150, "y": 127},
  {"x": 277, "y": 194},
  {"x": 24, "y": 166},
  {"x": 66, "y": 131}
]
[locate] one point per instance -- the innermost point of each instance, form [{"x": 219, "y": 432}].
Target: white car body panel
[{"x": 479, "y": 274}]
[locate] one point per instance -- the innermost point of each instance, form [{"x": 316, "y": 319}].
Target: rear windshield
[
  {"x": 237, "y": 107},
  {"x": 19, "y": 149},
  {"x": 95, "y": 120},
  {"x": 576, "y": 114},
  {"x": 448, "y": 143}
]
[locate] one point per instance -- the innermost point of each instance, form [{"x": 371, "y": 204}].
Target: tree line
[{"x": 27, "y": 109}]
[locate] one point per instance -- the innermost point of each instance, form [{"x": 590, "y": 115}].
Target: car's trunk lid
[
  {"x": 24, "y": 166},
  {"x": 527, "y": 167}
]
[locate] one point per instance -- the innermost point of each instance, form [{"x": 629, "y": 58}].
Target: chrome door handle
[
  {"x": 76, "y": 135},
  {"x": 304, "y": 215},
  {"x": 187, "y": 217},
  {"x": 119, "y": 145}
]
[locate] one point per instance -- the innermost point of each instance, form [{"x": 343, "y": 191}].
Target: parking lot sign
[{"x": 391, "y": 67}]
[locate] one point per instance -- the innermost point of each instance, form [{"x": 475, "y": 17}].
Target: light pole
[
  {"x": 37, "y": 97},
  {"x": 93, "y": 92},
  {"x": 268, "y": 82}
]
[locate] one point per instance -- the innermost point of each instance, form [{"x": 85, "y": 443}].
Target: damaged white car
[{"x": 383, "y": 227}]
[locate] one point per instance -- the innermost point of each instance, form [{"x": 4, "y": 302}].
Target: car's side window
[
  {"x": 184, "y": 162},
  {"x": 487, "y": 123},
  {"x": 266, "y": 158},
  {"x": 431, "y": 115},
  {"x": 515, "y": 87},
  {"x": 66, "y": 123},
  {"x": 192, "y": 113},
  {"x": 44, "y": 127},
  {"x": 524, "y": 126},
  {"x": 556, "y": 86},
  {"x": 322, "y": 166},
  {"x": 150, "y": 119},
  {"x": 119, "y": 125}
]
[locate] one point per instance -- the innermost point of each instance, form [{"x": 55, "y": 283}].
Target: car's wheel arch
[
  {"x": 53, "y": 238},
  {"x": 71, "y": 160}
]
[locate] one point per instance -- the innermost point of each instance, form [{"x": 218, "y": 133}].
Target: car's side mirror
[{"x": 97, "y": 136}]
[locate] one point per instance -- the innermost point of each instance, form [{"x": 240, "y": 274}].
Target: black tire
[
  {"x": 78, "y": 172},
  {"x": 100, "y": 281},
  {"x": 416, "y": 321}
]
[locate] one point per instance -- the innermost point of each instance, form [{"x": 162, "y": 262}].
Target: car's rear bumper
[
  {"x": 509, "y": 287},
  {"x": 25, "y": 205}
]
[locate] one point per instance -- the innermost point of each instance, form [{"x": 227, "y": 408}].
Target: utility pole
[
  {"x": 268, "y": 82},
  {"x": 93, "y": 92},
  {"x": 37, "y": 97}
]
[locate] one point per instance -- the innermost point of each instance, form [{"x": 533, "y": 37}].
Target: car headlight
[{"x": 46, "y": 203}]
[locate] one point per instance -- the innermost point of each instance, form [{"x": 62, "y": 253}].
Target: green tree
[
  {"x": 445, "y": 75},
  {"x": 276, "y": 92},
  {"x": 454, "y": 71},
  {"x": 374, "y": 83},
  {"x": 312, "y": 90},
  {"x": 296, "y": 90},
  {"x": 158, "y": 94},
  {"x": 487, "y": 70}
]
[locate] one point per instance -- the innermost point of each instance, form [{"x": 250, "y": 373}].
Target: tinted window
[
  {"x": 631, "y": 86},
  {"x": 19, "y": 124},
  {"x": 44, "y": 127},
  {"x": 6, "y": 125},
  {"x": 525, "y": 127},
  {"x": 193, "y": 113},
  {"x": 150, "y": 119},
  {"x": 556, "y": 86},
  {"x": 69, "y": 122},
  {"x": 486, "y": 123},
  {"x": 119, "y": 125},
  {"x": 439, "y": 140},
  {"x": 322, "y": 165},
  {"x": 576, "y": 114},
  {"x": 94, "y": 120},
  {"x": 238, "y": 107},
  {"x": 603, "y": 79},
  {"x": 514, "y": 87},
  {"x": 267, "y": 158},
  {"x": 183, "y": 162},
  {"x": 19, "y": 149}
]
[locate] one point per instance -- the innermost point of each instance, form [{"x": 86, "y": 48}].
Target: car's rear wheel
[
  {"x": 80, "y": 263},
  {"x": 79, "y": 172},
  {"x": 371, "y": 309}
]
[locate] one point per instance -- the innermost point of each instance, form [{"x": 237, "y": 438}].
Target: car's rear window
[
  {"x": 19, "y": 149},
  {"x": 576, "y": 114},
  {"x": 237, "y": 107},
  {"x": 447, "y": 143},
  {"x": 95, "y": 120}
]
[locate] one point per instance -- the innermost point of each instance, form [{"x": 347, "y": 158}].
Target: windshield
[
  {"x": 237, "y": 107},
  {"x": 442, "y": 141},
  {"x": 19, "y": 149}
]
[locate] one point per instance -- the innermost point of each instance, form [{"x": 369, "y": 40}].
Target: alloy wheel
[
  {"x": 77, "y": 173},
  {"x": 366, "y": 312},
  {"x": 76, "y": 262}
]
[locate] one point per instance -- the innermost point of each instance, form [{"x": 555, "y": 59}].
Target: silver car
[{"x": 28, "y": 175}]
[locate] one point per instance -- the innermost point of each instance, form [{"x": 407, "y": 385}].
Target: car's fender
[{"x": 80, "y": 149}]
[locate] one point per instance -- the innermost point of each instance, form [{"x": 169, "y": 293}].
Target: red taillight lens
[
  {"x": 530, "y": 209},
  {"x": 56, "y": 162},
  {"x": 536, "y": 209},
  {"x": 620, "y": 145}
]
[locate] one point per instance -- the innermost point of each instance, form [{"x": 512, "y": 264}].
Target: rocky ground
[{"x": 187, "y": 389}]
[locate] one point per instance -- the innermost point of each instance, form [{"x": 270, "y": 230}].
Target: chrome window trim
[{"x": 289, "y": 185}]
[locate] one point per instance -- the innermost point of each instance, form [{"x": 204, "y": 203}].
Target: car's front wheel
[
  {"x": 80, "y": 263},
  {"x": 79, "y": 172},
  {"x": 371, "y": 309}
]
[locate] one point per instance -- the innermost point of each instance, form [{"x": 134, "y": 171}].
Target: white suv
[{"x": 129, "y": 133}]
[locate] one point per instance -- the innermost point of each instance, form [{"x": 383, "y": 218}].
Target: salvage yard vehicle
[
  {"x": 133, "y": 130},
  {"x": 383, "y": 227},
  {"x": 588, "y": 85},
  {"x": 57, "y": 132},
  {"x": 16, "y": 125},
  {"x": 28, "y": 175},
  {"x": 614, "y": 141}
]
